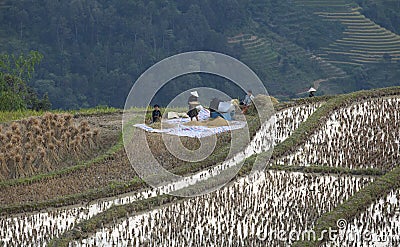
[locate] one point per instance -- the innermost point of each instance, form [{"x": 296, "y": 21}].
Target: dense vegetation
[
  {"x": 95, "y": 50},
  {"x": 15, "y": 95},
  {"x": 383, "y": 12}
]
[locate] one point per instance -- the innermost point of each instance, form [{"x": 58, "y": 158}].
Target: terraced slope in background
[
  {"x": 271, "y": 56},
  {"x": 258, "y": 51},
  {"x": 363, "y": 41}
]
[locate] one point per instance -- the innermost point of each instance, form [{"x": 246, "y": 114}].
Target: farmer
[
  {"x": 311, "y": 92},
  {"x": 248, "y": 100},
  {"x": 193, "y": 100},
  {"x": 156, "y": 115},
  {"x": 194, "y": 113},
  {"x": 214, "y": 104}
]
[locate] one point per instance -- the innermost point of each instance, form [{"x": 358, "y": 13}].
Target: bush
[{"x": 10, "y": 101}]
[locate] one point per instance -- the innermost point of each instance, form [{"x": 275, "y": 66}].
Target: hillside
[{"x": 94, "y": 50}]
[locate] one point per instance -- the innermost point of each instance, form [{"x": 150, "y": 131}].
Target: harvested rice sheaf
[{"x": 40, "y": 144}]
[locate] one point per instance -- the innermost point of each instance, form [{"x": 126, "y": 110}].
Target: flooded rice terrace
[
  {"x": 379, "y": 224},
  {"x": 242, "y": 214},
  {"x": 364, "y": 135},
  {"x": 245, "y": 212}
]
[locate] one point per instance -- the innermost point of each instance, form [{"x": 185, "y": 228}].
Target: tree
[
  {"x": 14, "y": 92},
  {"x": 19, "y": 66}
]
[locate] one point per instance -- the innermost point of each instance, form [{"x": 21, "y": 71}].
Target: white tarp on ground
[{"x": 180, "y": 129}]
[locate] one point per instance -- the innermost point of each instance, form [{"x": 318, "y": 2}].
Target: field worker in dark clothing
[
  {"x": 194, "y": 113},
  {"x": 156, "y": 115},
  {"x": 214, "y": 104}
]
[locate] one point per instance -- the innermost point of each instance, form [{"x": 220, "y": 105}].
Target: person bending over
[
  {"x": 248, "y": 100},
  {"x": 194, "y": 113}
]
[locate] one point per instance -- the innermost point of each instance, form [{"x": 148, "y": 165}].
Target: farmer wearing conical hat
[
  {"x": 193, "y": 100},
  {"x": 311, "y": 91}
]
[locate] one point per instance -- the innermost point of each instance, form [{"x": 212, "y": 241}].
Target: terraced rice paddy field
[
  {"x": 335, "y": 159},
  {"x": 262, "y": 53},
  {"x": 363, "y": 40},
  {"x": 258, "y": 50}
]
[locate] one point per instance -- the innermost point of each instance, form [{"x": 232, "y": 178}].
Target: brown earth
[
  {"x": 109, "y": 126},
  {"x": 115, "y": 168}
]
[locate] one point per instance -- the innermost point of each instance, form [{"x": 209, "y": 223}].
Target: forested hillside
[{"x": 94, "y": 50}]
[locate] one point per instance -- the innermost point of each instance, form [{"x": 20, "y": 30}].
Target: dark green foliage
[
  {"x": 383, "y": 12},
  {"x": 15, "y": 95},
  {"x": 10, "y": 101},
  {"x": 37, "y": 104},
  {"x": 95, "y": 50}
]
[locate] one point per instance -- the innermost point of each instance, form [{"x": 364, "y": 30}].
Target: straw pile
[{"x": 38, "y": 144}]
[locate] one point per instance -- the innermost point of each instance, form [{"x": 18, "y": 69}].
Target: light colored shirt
[{"x": 248, "y": 100}]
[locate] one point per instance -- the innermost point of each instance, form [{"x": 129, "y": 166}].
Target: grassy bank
[{"x": 18, "y": 115}]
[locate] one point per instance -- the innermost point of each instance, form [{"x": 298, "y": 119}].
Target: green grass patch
[
  {"x": 18, "y": 115},
  {"x": 113, "y": 189},
  {"x": 99, "y": 110}
]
